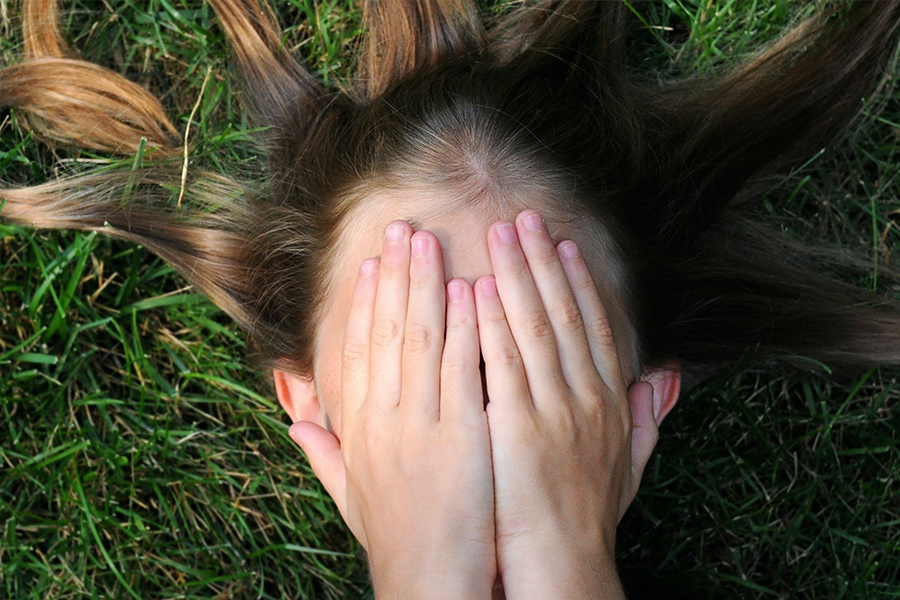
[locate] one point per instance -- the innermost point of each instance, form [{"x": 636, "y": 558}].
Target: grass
[{"x": 142, "y": 457}]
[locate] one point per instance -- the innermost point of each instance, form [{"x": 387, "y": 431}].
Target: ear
[
  {"x": 298, "y": 397},
  {"x": 651, "y": 399},
  {"x": 666, "y": 382}
]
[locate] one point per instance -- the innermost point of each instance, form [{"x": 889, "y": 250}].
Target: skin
[
  {"x": 446, "y": 493},
  {"x": 463, "y": 238},
  {"x": 559, "y": 417}
]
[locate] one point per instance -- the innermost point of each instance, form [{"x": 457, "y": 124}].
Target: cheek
[
  {"x": 329, "y": 344},
  {"x": 328, "y": 386},
  {"x": 328, "y": 374}
]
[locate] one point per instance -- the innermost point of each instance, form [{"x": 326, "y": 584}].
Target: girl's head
[
  {"x": 450, "y": 151},
  {"x": 451, "y": 125}
]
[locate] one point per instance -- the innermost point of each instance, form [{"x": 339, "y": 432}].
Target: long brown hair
[{"x": 544, "y": 94}]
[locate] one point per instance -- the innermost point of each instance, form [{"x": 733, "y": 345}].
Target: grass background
[{"x": 141, "y": 457}]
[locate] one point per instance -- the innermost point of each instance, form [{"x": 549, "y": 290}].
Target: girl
[
  {"x": 453, "y": 126},
  {"x": 449, "y": 487}
]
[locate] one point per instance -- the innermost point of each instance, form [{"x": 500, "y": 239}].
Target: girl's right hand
[{"x": 412, "y": 474}]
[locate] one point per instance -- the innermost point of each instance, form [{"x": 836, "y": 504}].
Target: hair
[{"x": 542, "y": 96}]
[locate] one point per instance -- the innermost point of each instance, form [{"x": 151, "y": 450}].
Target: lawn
[{"x": 142, "y": 456}]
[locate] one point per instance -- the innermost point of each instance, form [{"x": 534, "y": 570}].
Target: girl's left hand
[{"x": 559, "y": 417}]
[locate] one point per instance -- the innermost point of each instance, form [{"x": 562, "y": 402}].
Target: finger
[
  {"x": 557, "y": 297},
  {"x": 356, "y": 349},
  {"x": 645, "y": 434},
  {"x": 596, "y": 321},
  {"x": 462, "y": 397},
  {"x": 324, "y": 452},
  {"x": 507, "y": 386},
  {"x": 390, "y": 313},
  {"x": 525, "y": 314},
  {"x": 423, "y": 337}
]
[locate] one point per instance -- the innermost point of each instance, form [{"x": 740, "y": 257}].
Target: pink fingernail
[
  {"x": 534, "y": 222},
  {"x": 568, "y": 249},
  {"x": 369, "y": 267},
  {"x": 455, "y": 291},
  {"x": 394, "y": 232},
  {"x": 420, "y": 245},
  {"x": 294, "y": 432},
  {"x": 507, "y": 233},
  {"x": 489, "y": 286}
]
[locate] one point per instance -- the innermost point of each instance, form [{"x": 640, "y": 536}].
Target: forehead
[
  {"x": 461, "y": 232},
  {"x": 461, "y": 228}
]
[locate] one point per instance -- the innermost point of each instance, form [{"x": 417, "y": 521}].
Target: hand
[
  {"x": 412, "y": 475},
  {"x": 559, "y": 417}
]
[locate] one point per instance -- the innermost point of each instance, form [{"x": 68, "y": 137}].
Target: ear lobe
[
  {"x": 298, "y": 397},
  {"x": 666, "y": 382}
]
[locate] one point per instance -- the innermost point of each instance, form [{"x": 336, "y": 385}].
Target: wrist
[
  {"x": 446, "y": 588},
  {"x": 587, "y": 582},
  {"x": 439, "y": 579},
  {"x": 561, "y": 571}
]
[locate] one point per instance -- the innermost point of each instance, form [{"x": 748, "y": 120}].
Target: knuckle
[
  {"x": 459, "y": 324},
  {"x": 537, "y": 326},
  {"x": 417, "y": 338},
  {"x": 584, "y": 280},
  {"x": 544, "y": 255},
  {"x": 385, "y": 330},
  {"x": 455, "y": 363},
  {"x": 566, "y": 425},
  {"x": 419, "y": 280},
  {"x": 568, "y": 315},
  {"x": 612, "y": 417},
  {"x": 507, "y": 355},
  {"x": 600, "y": 329},
  {"x": 493, "y": 316},
  {"x": 354, "y": 351},
  {"x": 594, "y": 391}
]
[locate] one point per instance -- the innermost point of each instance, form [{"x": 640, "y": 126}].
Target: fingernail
[
  {"x": 489, "y": 286},
  {"x": 455, "y": 291},
  {"x": 394, "y": 232},
  {"x": 294, "y": 432},
  {"x": 507, "y": 233},
  {"x": 369, "y": 267},
  {"x": 420, "y": 245},
  {"x": 534, "y": 222},
  {"x": 568, "y": 249}
]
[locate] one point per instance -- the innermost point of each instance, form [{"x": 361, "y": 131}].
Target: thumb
[
  {"x": 324, "y": 452},
  {"x": 644, "y": 436}
]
